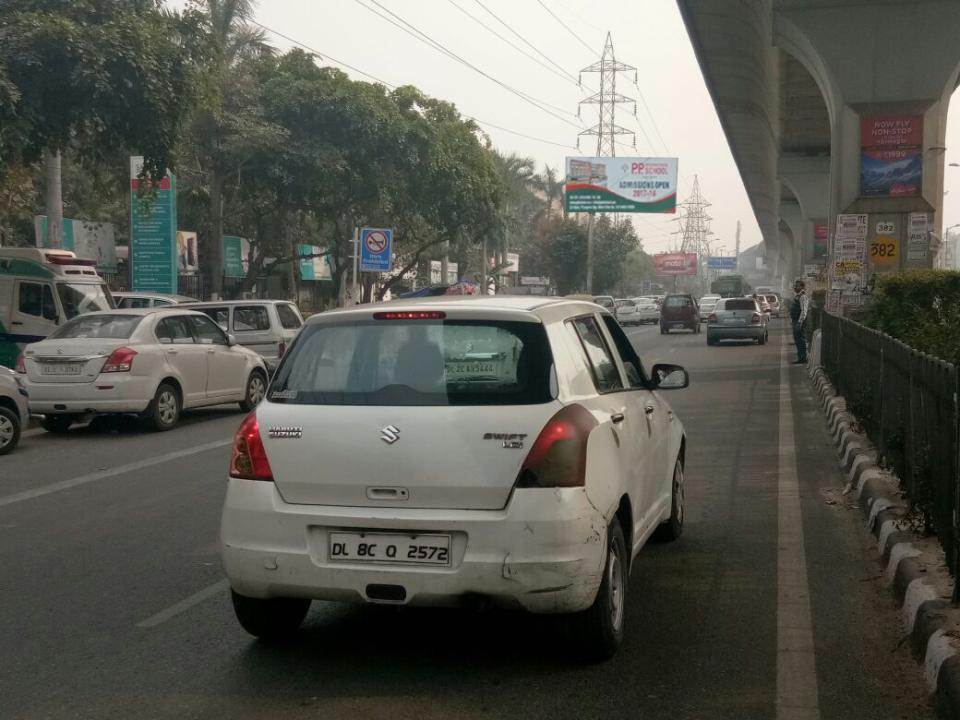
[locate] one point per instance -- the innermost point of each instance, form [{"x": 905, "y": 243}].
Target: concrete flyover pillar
[
  {"x": 808, "y": 180},
  {"x": 889, "y": 68}
]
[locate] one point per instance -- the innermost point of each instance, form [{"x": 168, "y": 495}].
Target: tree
[{"x": 98, "y": 75}]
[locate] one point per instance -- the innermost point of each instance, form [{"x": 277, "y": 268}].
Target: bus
[{"x": 729, "y": 286}]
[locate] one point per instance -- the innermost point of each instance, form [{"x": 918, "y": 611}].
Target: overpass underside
[{"x": 834, "y": 107}]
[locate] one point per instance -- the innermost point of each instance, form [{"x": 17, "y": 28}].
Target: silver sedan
[{"x": 737, "y": 319}]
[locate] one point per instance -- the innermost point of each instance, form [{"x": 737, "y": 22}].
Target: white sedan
[
  {"x": 150, "y": 362},
  {"x": 14, "y": 412},
  {"x": 503, "y": 450}
]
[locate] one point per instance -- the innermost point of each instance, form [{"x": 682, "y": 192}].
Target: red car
[{"x": 679, "y": 311}]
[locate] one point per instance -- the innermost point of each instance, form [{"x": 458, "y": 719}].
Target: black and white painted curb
[{"x": 923, "y": 609}]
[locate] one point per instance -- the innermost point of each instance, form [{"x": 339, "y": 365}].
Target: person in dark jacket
[{"x": 798, "y": 314}]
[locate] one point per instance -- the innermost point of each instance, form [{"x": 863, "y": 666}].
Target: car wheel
[
  {"x": 270, "y": 618},
  {"x": 165, "y": 409},
  {"x": 256, "y": 389},
  {"x": 597, "y": 632},
  {"x": 672, "y": 529},
  {"x": 762, "y": 339},
  {"x": 9, "y": 430},
  {"x": 58, "y": 424}
]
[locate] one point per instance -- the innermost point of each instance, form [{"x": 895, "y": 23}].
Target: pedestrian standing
[{"x": 798, "y": 314}]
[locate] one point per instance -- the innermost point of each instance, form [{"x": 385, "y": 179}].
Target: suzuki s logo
[{"x": 390, "y": 434}]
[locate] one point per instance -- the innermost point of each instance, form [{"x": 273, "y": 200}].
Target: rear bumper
[
  {"x": 111, "y": 393},
  {"x": 723, "y": 332},
  {"x": 544, "y": 552}
]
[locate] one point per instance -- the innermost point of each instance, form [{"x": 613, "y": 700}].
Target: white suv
[{"x": 508, "y": 450}]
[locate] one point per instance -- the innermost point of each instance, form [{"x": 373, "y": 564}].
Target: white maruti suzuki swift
[{"x": 505, "y": 450}]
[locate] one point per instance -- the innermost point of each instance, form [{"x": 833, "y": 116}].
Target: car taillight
[
  {"x": 755, "y": 320},
  {"x": 21, "y": 365},
  {"x": 249, "y": 461},
  {"x": 712, "y": 317},
  {"x": 558, "y": 458},
  {"x": 120, "y": 360}
]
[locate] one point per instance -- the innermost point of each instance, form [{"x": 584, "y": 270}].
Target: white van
[{"x": 39, "y": 290}]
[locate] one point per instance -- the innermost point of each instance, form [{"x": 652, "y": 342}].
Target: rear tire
[
  {"x": 256, "y": 390},
  {"x": 762, "y": 340},
  {"x": 164, "y": 413},
  {"x": 597, "y": 632},
  {"x": 672, "y": 529},
  {"x": 57, "y": 424},
  {"x": 270, "y": 618},
  {"x": 9, "y": 430}
]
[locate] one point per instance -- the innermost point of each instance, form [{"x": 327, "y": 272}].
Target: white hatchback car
[
  {"x": 505, "y": 450},
  {"x": 151, "y": 362},
  {"x": 14, "y": 411}
]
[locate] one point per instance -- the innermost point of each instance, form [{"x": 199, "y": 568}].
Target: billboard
[
  {"x": 672, "y": 264},
  {"x": 153, "y": 232},
  {"x": 90, "y": 240},
  {"x": 187, "y": 258},
  {"x": 621, "y": 184},
  {"x": 436, "y": 273},
  {"x": 314, "y": 263},
  {"x": 891, "y": 155},
  {"x": 236, "y": 256},
  {"x": 821, "y": 236},
  {"x": 722, "y": 262}
]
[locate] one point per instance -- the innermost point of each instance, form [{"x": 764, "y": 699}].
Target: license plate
[
  {"x": 390, "y": 548},
  {"x": 60, "y": 368},
  {"x": 735, "y": 321},
  {"x": 678, "y": 325}
]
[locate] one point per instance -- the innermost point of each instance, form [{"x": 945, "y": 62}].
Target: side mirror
[
  {"x": 670, "y": 377},
  {"x": 231, "y": 339}
]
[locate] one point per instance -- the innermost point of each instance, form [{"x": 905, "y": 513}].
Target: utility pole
[
  {"x": 606, "y": 130},
  {"x": 695, "y": 226}
]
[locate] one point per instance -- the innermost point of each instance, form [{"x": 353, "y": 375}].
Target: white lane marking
[
  {"x": 185, "y": 604},
  {"x": 112, "y": 472},
  {"x": 797, "y": 692}
]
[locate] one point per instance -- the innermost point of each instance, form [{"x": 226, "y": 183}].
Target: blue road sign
[
  {"x": 376, "y": 249},
  {"x": 728, "y": 262}
]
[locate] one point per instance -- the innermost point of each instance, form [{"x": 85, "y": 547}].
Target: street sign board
[
  {"x": 376, "y": 249},
  {"x": 722, "y": 262},
  {"x": 621, "y": 184},
  {"x": 153, "y": 232}
]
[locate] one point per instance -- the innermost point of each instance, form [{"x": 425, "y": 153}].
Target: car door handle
[
  {"x": 16, "y": 322},
  {"x": 648, "y": 409},
  {"x": 173, "y": 352},
  {"x": 617, "y": 418}
]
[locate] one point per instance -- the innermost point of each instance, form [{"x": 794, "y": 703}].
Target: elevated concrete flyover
[{"x": 794, "y": 81}]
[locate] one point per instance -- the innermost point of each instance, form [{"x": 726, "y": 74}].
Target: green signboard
[
  {"x": 233, "y": 257},
  {"x": 153, "y": 233}
]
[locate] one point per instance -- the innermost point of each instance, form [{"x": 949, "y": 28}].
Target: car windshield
[
  {"x": 677, "y": 301},
  {"x": 606, "y": 302},
  {"x": 79, "y": 298},
  {"x": 624, "y": 303},
  {"x": 115, "y": 327},
  {"x": 396, "y": 362},
  {"x": 739, "y": 305}
]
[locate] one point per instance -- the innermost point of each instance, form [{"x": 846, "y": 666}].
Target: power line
[
  {"x": 357, "y": 70},
  {"x": 567, "y": 27},
  {"x": 481, "y": 23},
  {"x": 430, "y": 42}
]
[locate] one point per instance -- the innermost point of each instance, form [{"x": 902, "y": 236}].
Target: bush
[{"x": 920, "y": 308}]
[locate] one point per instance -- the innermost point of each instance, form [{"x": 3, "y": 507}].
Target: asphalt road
[{"x": 113, "y": 604}]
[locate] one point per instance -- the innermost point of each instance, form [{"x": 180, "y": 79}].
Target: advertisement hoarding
[
  {"x": 513, "y": 263},
  {"x": 621, "y": 184},
  {"x": 236, "y": 256},
  {"x": 90, "y": 240},
  {"x": 376, "y": 249},
  {"x": 314, "y": 263},
  {"x": 821, "y": 237},
  {"x": 187, "y": 253},
  {"x": 722, "y": 262},
  {"x": 672, "y": 264},
  {"x": 436, "y": 271},
  {"x": 891, "y": 155},
  {"x": 153, "y": 232}
]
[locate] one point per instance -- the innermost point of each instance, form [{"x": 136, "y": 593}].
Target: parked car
[
  {"x": 775, "y": 305},
  {"x": 265, "y": 326},
  {"x": 647, "y": 310},
  {"x": 605, "y": 301},
  {"x": 707, "y": 304},
  {"x": 14, "y": 411},
  {"x": 626, "y": 312},
  {"x": 737, "y": 319},
  {"x": 559, "y": 462},
  {"x": 126, "y": 299},
  {"x": 679, "y": 311},
  {"x": 761, "y": 301},
  {"x": 152, "y": 362}
]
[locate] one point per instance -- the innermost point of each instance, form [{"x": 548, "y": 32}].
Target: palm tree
[
  {"x": 233, "y": 40},
  {"x": 551, "y": 185}
]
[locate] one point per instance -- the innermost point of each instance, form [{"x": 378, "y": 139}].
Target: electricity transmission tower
[
  {"x": 606, "y": 130},
  {"x": 607, "y": 98},
  {"x": 695, "y": 227}
]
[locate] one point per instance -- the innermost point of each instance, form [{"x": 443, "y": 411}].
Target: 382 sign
[{"x": 885, "y": 250}]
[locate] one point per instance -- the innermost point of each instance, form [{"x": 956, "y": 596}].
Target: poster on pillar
[
  {"x": 821, "y": 235},
  {"x": 891, "y": 155}
]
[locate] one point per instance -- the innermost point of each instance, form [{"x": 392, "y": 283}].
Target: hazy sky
[{"x": 677, "y": 118}]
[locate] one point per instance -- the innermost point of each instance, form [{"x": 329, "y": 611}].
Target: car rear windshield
[
  {"x": 771, "y": 298},
  {"x": 413, "y": 362},
  {"x": 288, "y": 317},
  {"x": 677, "y": 301},
  {"x": 114, "y": 327},
  {"x": 739, "y": 305}
]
